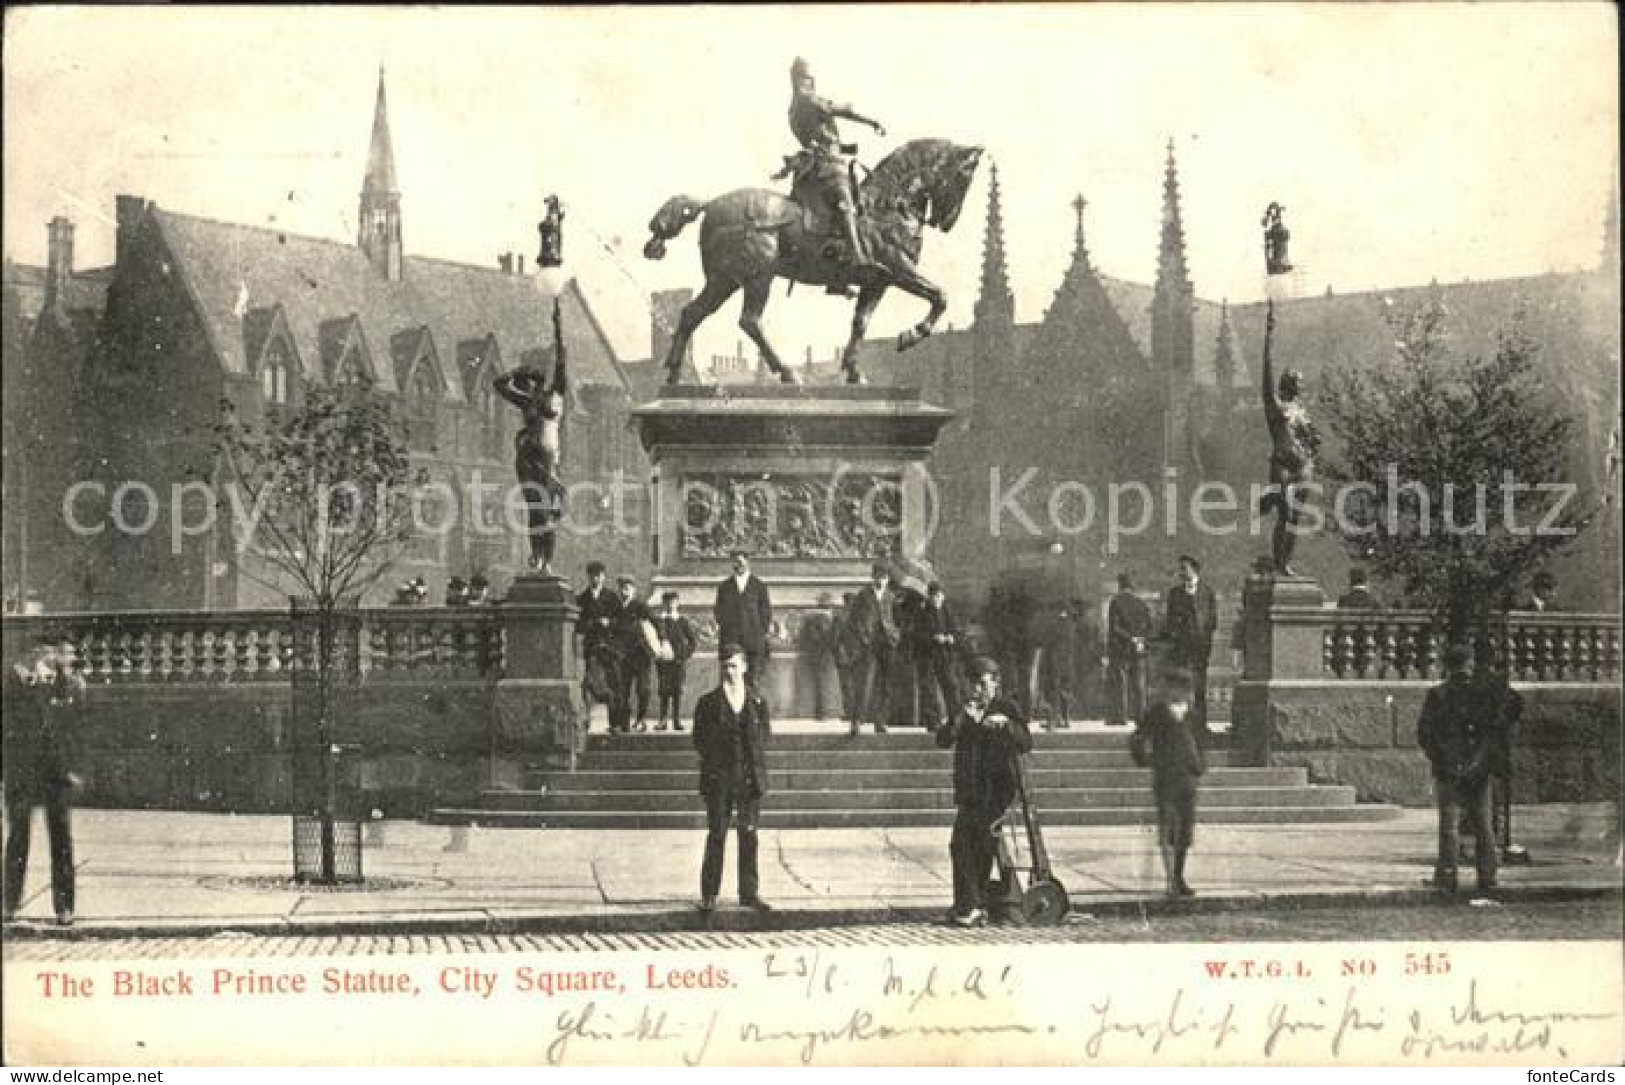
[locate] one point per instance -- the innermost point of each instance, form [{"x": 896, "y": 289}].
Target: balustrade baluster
[
  {"x": 163, "y": 655},
  {"x": 1365, "y": 650},
  {"x": 1545, "y": 654},
  {"x": 1328, "y": 650},
  {"x": 1563, "y": 655},
  {"x": 1584, "y": 658},
  {"x": 141, "y": 653},
  {"x": 226, "y": 654},
  {"x": 494, "y": 660},
  {"x": 205, "y": 655},
  {"x": 1429, "y": 639},
  {"x": 246, "y": 661},
  {"x": 122, "y": 665}
]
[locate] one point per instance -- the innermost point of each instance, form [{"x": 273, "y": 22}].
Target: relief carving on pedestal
[{"x": 853, "y": 515}]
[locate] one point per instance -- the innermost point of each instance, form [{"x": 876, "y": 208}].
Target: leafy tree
[
  {"x": 327, "y": 488},
  {"x": 1456, "y": 468}
]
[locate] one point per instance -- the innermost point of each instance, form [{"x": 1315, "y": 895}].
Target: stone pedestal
[
  {"x": 1281, "y": 620},
  {"x": 536, "y": 717},
  {"x": 814, "y": 482}
]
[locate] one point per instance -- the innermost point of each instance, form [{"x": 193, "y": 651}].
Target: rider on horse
[{"x": 823, "y": 165}]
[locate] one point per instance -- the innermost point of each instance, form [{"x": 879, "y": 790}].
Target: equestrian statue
[{"x": 830, "y": 231}]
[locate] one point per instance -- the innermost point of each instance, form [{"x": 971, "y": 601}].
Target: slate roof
[{"x": 233, "y": 271}]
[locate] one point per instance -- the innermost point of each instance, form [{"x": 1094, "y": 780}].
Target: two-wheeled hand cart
[{"x": 1026, "y": 889}]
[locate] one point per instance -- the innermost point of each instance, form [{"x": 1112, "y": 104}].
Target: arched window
[{"x": 274, "y": 376}]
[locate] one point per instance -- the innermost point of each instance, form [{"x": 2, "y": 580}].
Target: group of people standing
[
  {"x": 621, "y": 639},
  {"x": 888, "y": 638},
  {"x": 1190, "y": 619}
]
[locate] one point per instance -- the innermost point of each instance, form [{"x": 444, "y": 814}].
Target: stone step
[
  {"x": 802, "y": 778},
  {"x": 802, "y": 818},
  {"x": 903, "y": 799},
  {"x": 834, "y": 737},
  {"x": 842, "y": 760}
]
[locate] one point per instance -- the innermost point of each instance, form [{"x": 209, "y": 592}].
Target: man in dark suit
[
  {"x": 1359, "y": 596},
  {"x": 731, "y": 730},
  {"x": 987, "y": 735},
  {"x": 596, "y": 610},
  {"x": 1463, "y": 732},
  {"x": 1190, "y": 617},
  {"x": 936, "y": 658},
  {"x": 636, "y": 644},
  {"x": 41, "y": 697},
  {"x": 874, "y": 622},
  {"x": 1128, "y": 627},
  {"x": 847, "y": 650},
  {"x": 744, "y": 615}
]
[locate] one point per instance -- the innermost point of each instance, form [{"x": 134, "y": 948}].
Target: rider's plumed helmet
[{"x": 800, "y": 69}]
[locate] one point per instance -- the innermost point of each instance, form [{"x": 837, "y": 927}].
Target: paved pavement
[{"x": 167, "y": 874}]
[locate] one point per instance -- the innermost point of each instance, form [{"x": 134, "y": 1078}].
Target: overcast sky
[{"x": 1408, "y": 142}]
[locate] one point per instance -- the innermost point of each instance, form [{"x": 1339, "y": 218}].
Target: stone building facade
[{"x": 117, "y": 380}]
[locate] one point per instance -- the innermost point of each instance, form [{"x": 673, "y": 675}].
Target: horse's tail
[{"x": 669, "y": 221}]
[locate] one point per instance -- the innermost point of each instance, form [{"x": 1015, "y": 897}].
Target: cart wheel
[{"x": 1045, "y": 904}]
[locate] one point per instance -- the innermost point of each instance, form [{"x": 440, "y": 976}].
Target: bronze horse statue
[{"x": 751, "y": 235}]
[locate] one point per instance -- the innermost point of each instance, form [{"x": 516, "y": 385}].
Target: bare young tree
[{"x": 328, "y": 489}]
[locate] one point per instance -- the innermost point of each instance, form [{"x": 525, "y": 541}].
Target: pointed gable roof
[
  {"x": 476, "y": 359},
  {"x": 341, "y": 338},
  {"x": 322, "y": 286},
  {"x": 1082, "y": 334},
  {"x": 262, "y": 327},
  {"x": 412, "y": 350}
]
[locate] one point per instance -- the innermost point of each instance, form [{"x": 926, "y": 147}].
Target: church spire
[
  {"x": 1080, "y": 249},
  {"x": 1173, "y": 321},
  {"x": 1172, "y": 304},
  {"x": 1171, "y": 266},
  {"x": 995, "y": 303},
  {"x": 379, "y": 219}
]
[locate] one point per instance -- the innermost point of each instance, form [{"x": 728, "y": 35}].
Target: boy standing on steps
[
  {"x": 676, "y": 646},
  {"x": 1165, "y": 743}
]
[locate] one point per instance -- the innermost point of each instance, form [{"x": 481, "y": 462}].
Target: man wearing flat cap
[{"x": 987, "y": 734}]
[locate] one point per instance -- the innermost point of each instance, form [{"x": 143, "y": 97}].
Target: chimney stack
[
  {"x": 505, "y": 262},
  {"x": 59, "y": 260},
  {"x": 129, "y": 212}
]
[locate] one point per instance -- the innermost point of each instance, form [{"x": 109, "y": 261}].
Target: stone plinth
[
  {"x": 815, "y": 482},
  {"x": 1281, "y": 620},
  {"x": 536, "y": 717}
]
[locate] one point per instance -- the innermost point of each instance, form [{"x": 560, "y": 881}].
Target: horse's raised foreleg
[
  {"x": 693, "y": 315},
  {"x": 750, "y": 319},
  {"x": 868, "y": 298},
  {"x": 912, "y": 282}
]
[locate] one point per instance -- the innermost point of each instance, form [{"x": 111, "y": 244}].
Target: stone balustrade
[
  {"x": 198, "y": 710},
  {"x": 1531, "y": 647},
  {"x": 1338, "y": 692},
  {"x": 260, "y": 646}
]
